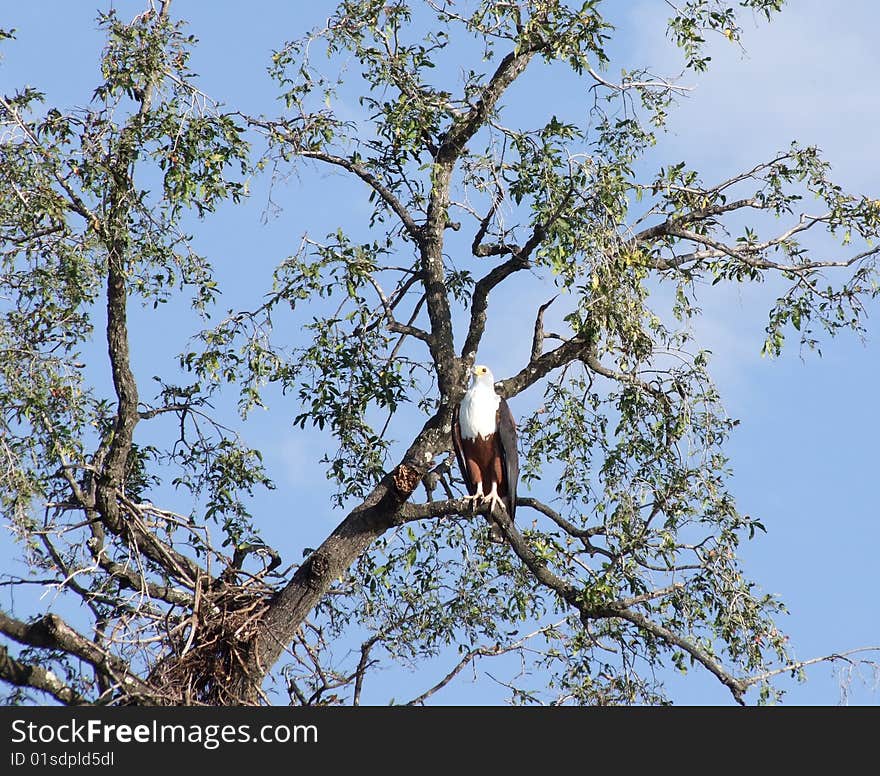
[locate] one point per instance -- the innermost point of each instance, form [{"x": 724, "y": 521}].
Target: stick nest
[{"x": 208, "y": 659}]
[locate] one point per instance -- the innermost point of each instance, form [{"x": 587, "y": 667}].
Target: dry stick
[
  {"x": 538, "y": 337},
  {"x": 480, "y": 652},
  {"x": 361, "y": 669},
  {"x": 459, "y": 667},
  {"x": 797, "y": 666}
]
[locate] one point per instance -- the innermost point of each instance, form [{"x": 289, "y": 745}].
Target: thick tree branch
[
  {"x": 115, "y": 234},
  {"x": 467, "y": 125},
  {"x": 124, "y": 383},
  {"x": 412, "y": 512},
  {"x": 452, "y": 144},
  {"x": 114, "y": 450},
  {"x": 480, "y": 302},
  {"x": 51, "y": 632},
  {"x": 38, "y": 678},
  {"x": 536, "y": 369},
  {"x": 332, "y": 559},
  {"x": 108, "y": 491}
]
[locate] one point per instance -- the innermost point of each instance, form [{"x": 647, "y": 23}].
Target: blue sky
[{"x": 805, "y": 454}]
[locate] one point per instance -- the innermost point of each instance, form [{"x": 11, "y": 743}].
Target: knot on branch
[
  {"x": 318, "y": 568},
  {"x": 50, "y": 628},
  {"x": 406, "y": 479}
]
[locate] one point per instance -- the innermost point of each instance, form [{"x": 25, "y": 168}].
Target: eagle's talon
[{"x": 495, "y": 500}]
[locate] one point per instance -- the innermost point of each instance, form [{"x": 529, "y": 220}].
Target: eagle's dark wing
[
  {"x": 459, "y": 452},
  {"x": 506, "y": 426}
]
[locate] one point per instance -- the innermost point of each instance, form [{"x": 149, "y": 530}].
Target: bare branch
[
  {"x": 649, "y": 596},
  {"x": 365, "y": 175},
  {"x": 406, "y": 329},
  {"x": 361, "y": 670},
  {"x": 480, "y": 301},
  {"x": 538, "y": 338},
  {"x": 456, "y": 670},
  {"x": 283, "y": 132},
  {"x": 797, "y": 666},
  {"x": 748, "y": 253},
  {"x": 497, "y": 249},
  {"x": 35, "y": 235},
  {"x": 570, "y": 528},
  {"x": 658, "y": 83},
  {"x": 484, "y": 651},
  {"x": 736, "y": 686}
]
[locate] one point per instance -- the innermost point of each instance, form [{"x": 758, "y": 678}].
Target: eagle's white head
[{"x": 482, "y": 375}]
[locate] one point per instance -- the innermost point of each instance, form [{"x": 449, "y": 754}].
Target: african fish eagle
[{"x": 484, "y": 437}]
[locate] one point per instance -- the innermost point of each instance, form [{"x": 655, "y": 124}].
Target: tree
[{"x": 625, "y": 555}]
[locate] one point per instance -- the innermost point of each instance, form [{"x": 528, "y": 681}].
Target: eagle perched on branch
[{"x": 484, "y": 437}]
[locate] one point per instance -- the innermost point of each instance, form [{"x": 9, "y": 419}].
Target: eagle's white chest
[{"x": 477, "y": 412}]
